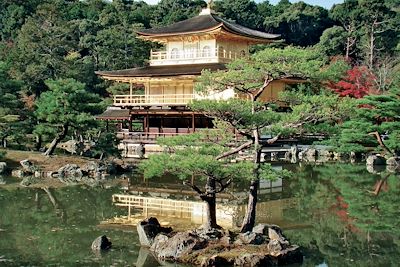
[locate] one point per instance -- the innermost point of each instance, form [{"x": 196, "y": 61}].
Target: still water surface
[{"x": 334, "y": 212}]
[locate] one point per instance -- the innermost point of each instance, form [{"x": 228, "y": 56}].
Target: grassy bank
[{"x": 13, "y": 157}]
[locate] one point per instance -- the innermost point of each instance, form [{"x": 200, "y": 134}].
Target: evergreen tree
[
  {"x": 250, "y": 116},
  {"x": 10, "y": 106},
  {"x": 300, "y": 24},
  {"x": 170, "y": 11},
  {"x": 375, "y": 123},
  {"x": 243, "y": 12},
  {"x": 196, "y": 158},
  {"x": 66, "y": 105}
]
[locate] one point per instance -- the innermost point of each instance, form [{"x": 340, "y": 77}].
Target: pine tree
[{"x": 67, "y": 105}]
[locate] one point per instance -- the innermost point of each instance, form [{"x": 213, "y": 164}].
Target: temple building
[{"x": 203, "y": 42}]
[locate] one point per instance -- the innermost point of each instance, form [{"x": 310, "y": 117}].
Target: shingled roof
[
  {"x": 157, "y": 71},
  {"x": 114, "y": 114},
  {"x": 204, "y": 23}
]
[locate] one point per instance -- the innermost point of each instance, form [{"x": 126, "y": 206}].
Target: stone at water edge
[
  {"x": 182, "y": 243},
  {"x": 393, "y": 164},
  {"x": 146, "y": 259},
  {"x": 17, "y": 173},
  {"x": 101, "y": 243},
  {"x": 310, "y": 154},
  {"x": 148, "y": 229},
  {"x": 376, "y": 169},
  {"x": 272, "y": 231},
  {"x": 393, "y": 161},
  {"x": 29, "y": 180},
  {"x": 3, "y": 167},
  {"x": 70, "y": 171},
  {"x": 28, "y": 167},
  {"x": 215, "y": 260},
  {"x": 376, "y": 160},
  {"x": 250, "y": 238}
]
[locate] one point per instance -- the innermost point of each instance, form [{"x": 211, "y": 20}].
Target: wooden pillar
[
  {"x": 148, "y": 122},
  {"x": 130, "y": 88},
  {"x": 130, "y": 123},
  {"x": 193, "y": 122},
  {"x": 161, "y": 123},
  {"x": 144, "y": 124}
]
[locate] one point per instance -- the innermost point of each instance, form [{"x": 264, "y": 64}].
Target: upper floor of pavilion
[
  {"x": 204, "y": 39},
  {"x": 190, "y": 46}
]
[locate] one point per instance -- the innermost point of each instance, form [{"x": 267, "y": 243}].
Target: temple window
[
  {"x": 174, "y": 53},
  {"x": 221, "y": 51},
  {"x": 190, "y": 50},
  {"x": 206, "y": 52}
]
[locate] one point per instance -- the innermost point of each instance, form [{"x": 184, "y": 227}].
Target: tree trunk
[
  {"x": 38, "y": 144},
  {"x": 250, "y": 217},
  {"x": 371, "y": 47},
  {"x": 347, "y": 48},
  {"x": 211, "y": 221},
  {"x": 4, "y": 142},
  {"x": 60, "y": 136},
  {"x": 210, "y": 199}
]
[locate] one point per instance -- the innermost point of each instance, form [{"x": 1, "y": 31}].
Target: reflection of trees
[
  {"x": 34, "y": 233},
  {"x": 351, "y": 226}
]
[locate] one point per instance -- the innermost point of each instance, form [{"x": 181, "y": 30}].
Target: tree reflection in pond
[
  {"x": 34, "y": 231},
  {"x": 336, "y": 213},
  {"x": 351, "y": 225}
]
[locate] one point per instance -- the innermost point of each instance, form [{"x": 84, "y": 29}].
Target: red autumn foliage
[
  {"x": 341, "y": 210},
  {"x": 358, "y": 82}
]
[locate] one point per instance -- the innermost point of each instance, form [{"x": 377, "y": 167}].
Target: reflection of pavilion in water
[{"x": 176, "y": 205}]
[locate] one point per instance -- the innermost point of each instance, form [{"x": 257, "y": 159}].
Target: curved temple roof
[
  {"x": 204, "y": 23},
  {"x": 156, "y": 71}
]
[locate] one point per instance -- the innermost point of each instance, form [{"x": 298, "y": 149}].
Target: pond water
[{"x": 339, "y": 214}]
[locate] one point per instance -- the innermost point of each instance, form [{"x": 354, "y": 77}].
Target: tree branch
[
  {"x": 274, "y": 139},
  {"x": 194, "y": 187},
  {"x": 267, "y": 82},
  {"x": 235, "y": 150},
  {"x": 223, "y": 186},
  {"x": 379, "y": 139}
]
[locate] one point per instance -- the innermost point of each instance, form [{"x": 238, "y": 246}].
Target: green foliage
[
  {"x": 310, "y": 113},
  {"x": 194, "y": 156},
  {"x": 114, "y": 38},
  {"x": 170, "y": 11},
  {"x": 106, "y": 145},
  {"x": 348, "y": 223},
  {"x": 11, "y": 107},
  {"x": 238, "y": 113},
  {"x": 318, "y": 113},
  {"x": 49, "y": 231},
  {"x": 380, "y": 28},
  {"x": 374, "y": 113},
  {"x": 246, "y": 76},
  {"x": 67, "y": 103},
  {"x": 243, "y": 12},
  {"x": 331, "y": 42},
  {"x": 47, "y": 48},
  {"x": 299, "y": 23},
  {"x": 368, "y": 31},
  {"x": 335, "y": 70}
]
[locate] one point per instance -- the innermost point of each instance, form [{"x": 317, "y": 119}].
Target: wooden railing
[
  {"x": 146, "y": 136},
  {"x": 148, "y": 100},
  {"x": 194, "y": 54}
]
